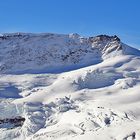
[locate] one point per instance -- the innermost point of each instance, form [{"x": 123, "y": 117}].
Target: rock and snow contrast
[{"x": 68, "y": 87}]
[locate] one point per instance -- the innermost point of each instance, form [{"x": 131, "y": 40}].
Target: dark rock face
[
  {"x": 15, "y": 122},
  {"x": 116, "y": 38},
  {"x": 106, "y": 44},
  {"x": 104, "y": 38}
]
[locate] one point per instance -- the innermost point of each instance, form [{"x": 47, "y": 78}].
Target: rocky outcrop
[{"x": 14, "y": 122}]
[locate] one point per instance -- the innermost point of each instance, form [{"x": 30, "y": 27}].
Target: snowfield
[{"x": 67, "y": 87}]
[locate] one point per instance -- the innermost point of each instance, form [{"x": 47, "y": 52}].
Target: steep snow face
[
  {"x": 66, "y": 87},
  {"x": 34, "y": 53}
]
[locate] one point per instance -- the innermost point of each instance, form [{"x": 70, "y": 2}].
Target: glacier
[{"x": 68, "y": 87}]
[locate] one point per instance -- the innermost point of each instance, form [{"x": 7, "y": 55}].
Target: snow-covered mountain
[
  {"x": 68, "y": 87},
  {"x": 47, "y": 52}
]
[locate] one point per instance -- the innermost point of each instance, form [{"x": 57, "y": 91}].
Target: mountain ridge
[{"x": 27, "y": 51}]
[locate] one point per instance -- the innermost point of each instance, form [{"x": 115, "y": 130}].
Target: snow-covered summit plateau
[{"x": 68, "y": 87}]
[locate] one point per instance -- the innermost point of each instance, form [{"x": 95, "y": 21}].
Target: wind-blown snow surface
[{"x": 67, "y": 87}]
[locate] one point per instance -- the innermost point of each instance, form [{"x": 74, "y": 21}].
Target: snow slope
[{"x": 67, "y": 87}]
